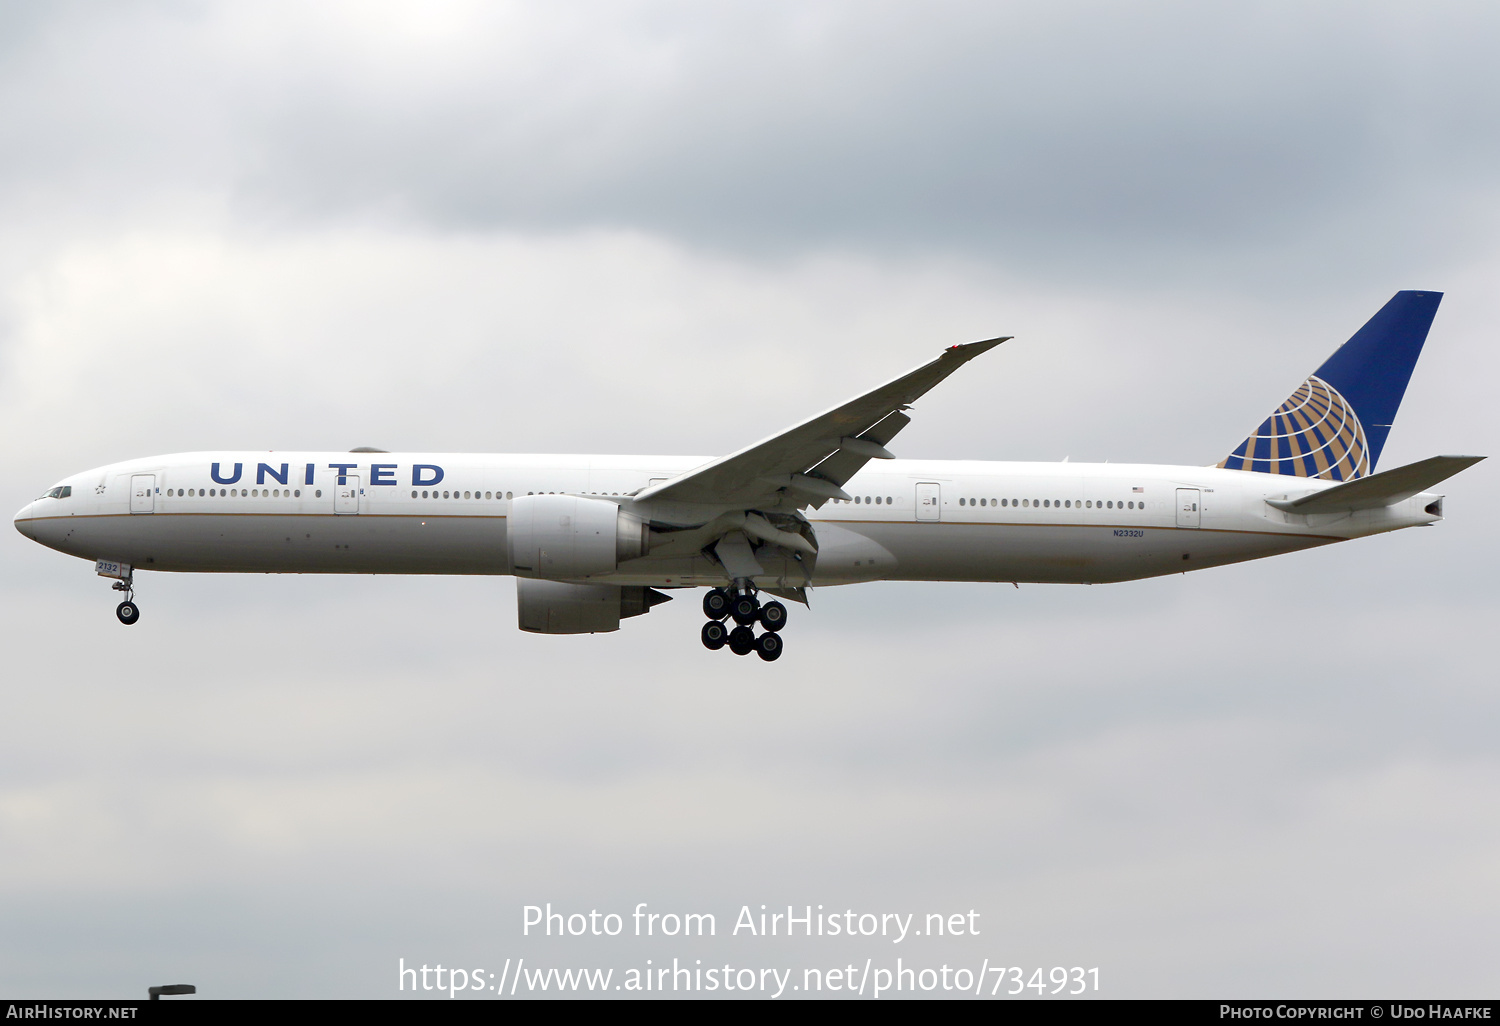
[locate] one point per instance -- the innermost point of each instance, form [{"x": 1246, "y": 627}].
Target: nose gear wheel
[{"x": 127, "y": 612}]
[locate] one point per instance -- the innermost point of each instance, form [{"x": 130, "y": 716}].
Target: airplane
[{"x": 594, "y": 540}]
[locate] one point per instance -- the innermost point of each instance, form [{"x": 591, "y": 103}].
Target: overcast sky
[{"x": 676, "y": 228}]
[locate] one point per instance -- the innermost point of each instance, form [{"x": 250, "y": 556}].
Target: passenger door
[
  {"x": 143, "y": 493},
  {"x": 1189, "y": 513},
  {"x": 346, "y": 496},
  {"x": 929, "y": 501}
]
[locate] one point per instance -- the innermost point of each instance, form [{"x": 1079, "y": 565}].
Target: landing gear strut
[
  {"x": 127, "y": 611},
  {"x": 741, "y": 604}
]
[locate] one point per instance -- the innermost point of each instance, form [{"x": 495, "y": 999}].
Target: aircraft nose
[{"x": 24, "y": 521}]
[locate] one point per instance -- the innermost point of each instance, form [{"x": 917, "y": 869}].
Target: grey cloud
[{"x": 1114, "y": 139}]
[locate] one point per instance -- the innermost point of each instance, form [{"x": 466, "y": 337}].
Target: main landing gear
[
  {"x": 128, "y": 612},
  {"x": 743, "y": 606}
]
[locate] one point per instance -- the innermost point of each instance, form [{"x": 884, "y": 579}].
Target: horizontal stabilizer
[{"x": 1383, "y": 489}]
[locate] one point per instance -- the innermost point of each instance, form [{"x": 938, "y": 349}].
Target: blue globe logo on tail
[
  {"x": 1335, "y": 426},
  {"x": 1315, "y": 433}
]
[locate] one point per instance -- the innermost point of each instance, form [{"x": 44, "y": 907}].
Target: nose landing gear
[
  {"x": 742, "y": 605},
  {"x": 127, "y": 612}
]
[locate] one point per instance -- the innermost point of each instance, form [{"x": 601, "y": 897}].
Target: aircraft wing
[{"x": 812, "y": 460}]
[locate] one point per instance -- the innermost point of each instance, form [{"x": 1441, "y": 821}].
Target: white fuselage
[{"x": 445, "y": 513}]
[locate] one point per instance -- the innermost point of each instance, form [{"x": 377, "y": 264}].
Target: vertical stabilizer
[{"x": 1334, "y": 426}]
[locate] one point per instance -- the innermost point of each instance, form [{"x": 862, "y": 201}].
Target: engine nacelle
[
  {"x": 564, "y": 537},
  {"x": 551, "y": 607}
]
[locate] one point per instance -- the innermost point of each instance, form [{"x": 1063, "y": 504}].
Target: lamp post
[{"x": 171, "y": 988}]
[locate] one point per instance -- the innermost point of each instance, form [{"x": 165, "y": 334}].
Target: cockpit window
[{"x": 60, "y": 492}]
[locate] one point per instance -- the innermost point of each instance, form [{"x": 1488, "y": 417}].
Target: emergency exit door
[
  {"x": 929, "y": 501},
  {"x": 1189, "y": 513}
]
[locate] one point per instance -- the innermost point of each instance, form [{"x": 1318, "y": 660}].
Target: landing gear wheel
[
  {"x": 773, "y": 617},
  {"x": 714, "y": 635},
  {"x": 768, "y": 647},
  {"x": 128, "y": 612},
  {"x": 716, "y": 604},
  {"x": 741, "y": 640},
  {"x": 744, "y": 609}
]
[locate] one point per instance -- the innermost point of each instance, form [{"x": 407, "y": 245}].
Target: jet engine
[
  {"x": 564, "y": 537},
  {"x": 551, "y": 607}
]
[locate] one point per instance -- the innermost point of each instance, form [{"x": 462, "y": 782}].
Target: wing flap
[
  {"x": 847, "y": 460},
  {"x": 1383, "y": 489}
]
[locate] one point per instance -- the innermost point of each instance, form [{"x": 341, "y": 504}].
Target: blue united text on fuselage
[{"x": 423, "y": 475}]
